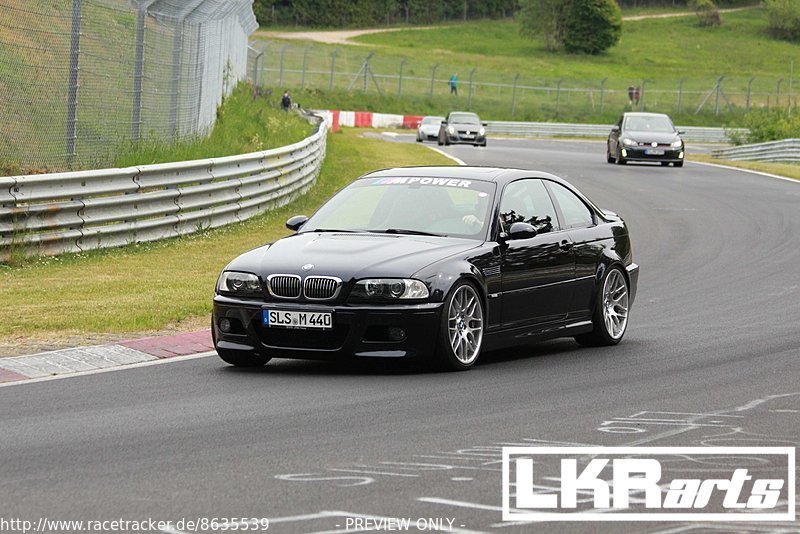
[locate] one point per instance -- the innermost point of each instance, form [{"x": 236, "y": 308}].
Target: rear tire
[
  {"x": 610, "y": 318},
  {"x": 461, "y": 329}
]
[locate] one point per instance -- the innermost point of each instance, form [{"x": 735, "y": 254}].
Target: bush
[
  {"x": 591, "y": 26},
  {"x": 784, "y": 19},
  {"x": 707, "y": 12},
  {"x": 770, "y": 125}
]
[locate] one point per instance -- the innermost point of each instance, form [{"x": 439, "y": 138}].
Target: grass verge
[
  {"x": 786, "y": 170},
  {"x": 144, "y": 288},
  {"x": 243, "y": 125}
]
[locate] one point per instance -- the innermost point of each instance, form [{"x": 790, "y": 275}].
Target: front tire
[
  {"x": 609, "y": 157},
  {"x": 678, "y": 164},
  {"x": 619, "y": 159},
  {"x": 610, "y": 318},
  {"x": 461, "y": 330},
  {"x": 439, "y": 141}
]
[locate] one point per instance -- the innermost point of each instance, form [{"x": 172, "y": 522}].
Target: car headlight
[
  {"x": 628, "y": 142},
  {"x": 390, "y": 289},
  {"x": 451, "y": 130},
  {"x": 677, "y": 144},
  {"x": 482, "y": 131},
  {"x": 235, "y": 283}
]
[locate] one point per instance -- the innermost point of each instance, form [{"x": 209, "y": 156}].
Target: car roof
[
  {"x": 498, "y": 175},
  {"x": 644, "y": 114}
]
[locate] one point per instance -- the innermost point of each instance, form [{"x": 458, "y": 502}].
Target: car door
[
  {"x": 579, "y": 221},
  {"x": 536, "y": 272}
]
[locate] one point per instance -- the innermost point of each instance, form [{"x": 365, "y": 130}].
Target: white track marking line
[
  {"x": 745, "y": 170},
  {"x": 445, "y": 154},
  {"x": 109, "y": 369}
]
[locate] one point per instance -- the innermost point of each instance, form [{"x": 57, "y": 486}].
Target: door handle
[{"x": 565, "y": 245}]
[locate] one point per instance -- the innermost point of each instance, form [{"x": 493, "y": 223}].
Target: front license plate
[
  {"x": 298, "y": 319},
  {"x": 654, "y": 152}
]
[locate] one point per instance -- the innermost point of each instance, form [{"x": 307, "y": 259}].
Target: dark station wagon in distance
[
  {"x": 431, "y": 263},
  {"x": 645, "y": 137},
  {"x": 462, "y": 128}
]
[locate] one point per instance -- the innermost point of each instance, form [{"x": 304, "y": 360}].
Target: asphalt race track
[{"x": 711, "y": 357}]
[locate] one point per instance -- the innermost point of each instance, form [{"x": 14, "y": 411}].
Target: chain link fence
[
  {"x": 79, "y": 79},
  {"x": 510, "y": 96}
]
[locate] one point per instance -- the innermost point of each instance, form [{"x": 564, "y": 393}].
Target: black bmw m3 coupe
[{"x": 431, "y": 263}]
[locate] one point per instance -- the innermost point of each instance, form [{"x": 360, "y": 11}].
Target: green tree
[
  {"x": 591, "y": 26},
  {"x": 545, "y": 19},
  {"x": 784, "y": 19}
]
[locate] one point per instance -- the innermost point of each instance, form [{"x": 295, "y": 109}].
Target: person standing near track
[
  {"x": 286, "y": 101},
  {"x": 454, "y": 84}
]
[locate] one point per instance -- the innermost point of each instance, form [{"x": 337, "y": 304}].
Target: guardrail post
[
  {"x": 469, "y": 98},
  {"x": 749, "y": 92},
  {"x": 514, "y": 96},
  {"x": 333, "y": 68},
  {"x": 602, "y": 94},
  {"x": 716, "y": 98},
  {"x": 433, "y": 78},
  {"x": 305, "y": 66},
  {"x": 74, "y": 66},
  {"x": 283, "y": 52},
  {"x": 680, "y": 95},
  {"x": 400, "y": 82}
]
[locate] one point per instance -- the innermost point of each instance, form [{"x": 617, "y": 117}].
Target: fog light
[
  {"x": 225, "y": 325},
  {"x": 680, "y": 155},
  {"x": 624, "y": 153},
  {"x": 397, "y": 334}
]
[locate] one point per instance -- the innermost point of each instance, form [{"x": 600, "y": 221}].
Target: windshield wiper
[{"x": 405, "y": 231}]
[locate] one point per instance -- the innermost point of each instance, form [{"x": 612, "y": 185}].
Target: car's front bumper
[
  {"x": 463, "y": 139},
  {"x": 357, "y": 331},
  {"x": 670, "y": 155}
]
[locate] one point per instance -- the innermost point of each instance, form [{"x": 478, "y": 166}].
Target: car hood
[
  {"x": 429, "y": 127},
  {"x": 465, "y": 126},
  {"x": 651, "y": 137},
  {"x": 350, "y": 256}
]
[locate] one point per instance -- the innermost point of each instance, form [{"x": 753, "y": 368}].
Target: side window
[
  {"x": 575, "y": 212},
  {"x": 528, "y": 201}
]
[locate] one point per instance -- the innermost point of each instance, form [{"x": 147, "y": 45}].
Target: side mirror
[
  {"x": 296, "y": 222},
  {"x": 681, "y": 132},
  {"x": 615, "y": 128},
  {"x": 444, "y": 123},
  {"x": 484, "y": 124},
  {"x": 521, "y": 230}
]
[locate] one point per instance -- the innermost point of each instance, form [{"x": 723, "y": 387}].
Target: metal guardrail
[
  {"x": 554, "y": 129},
  {"x": 50, "y": 214},
  {"x": 786, "y": 150}
]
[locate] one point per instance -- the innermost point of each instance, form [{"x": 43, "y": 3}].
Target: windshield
[
  {"x": 432, "y": 120},
  {"x": 653, "y": 123},
  {"x": 417, "y": 205},
  {"x": 464, "y": 118}
]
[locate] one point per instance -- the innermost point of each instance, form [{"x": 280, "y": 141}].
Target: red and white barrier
[{"x": 368, "y": 119}]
